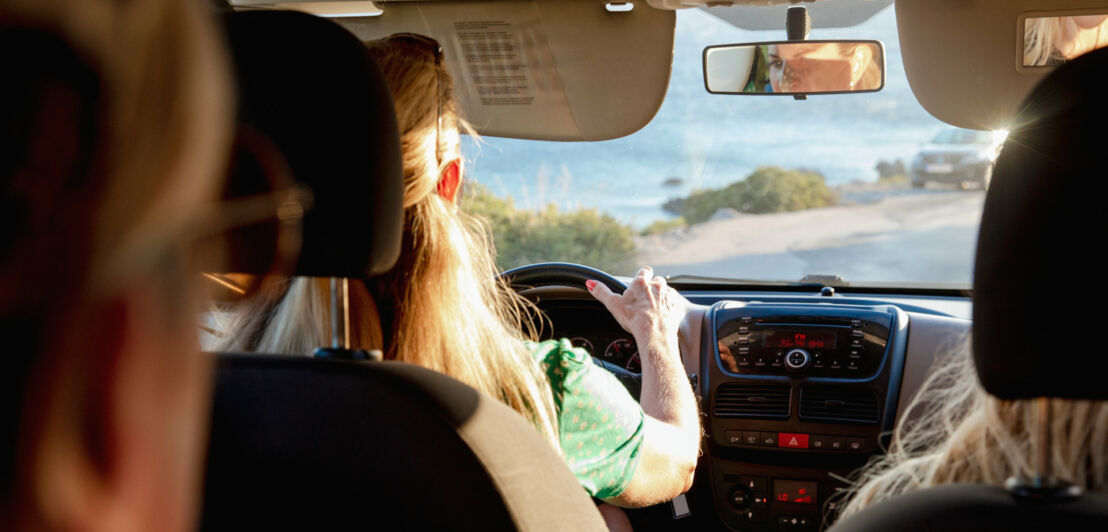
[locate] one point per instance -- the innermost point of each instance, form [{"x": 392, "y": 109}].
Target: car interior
[{"x": 800, "y": 380}]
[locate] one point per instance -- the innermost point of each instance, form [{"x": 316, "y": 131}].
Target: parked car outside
[{"x": 962, "y": 157}]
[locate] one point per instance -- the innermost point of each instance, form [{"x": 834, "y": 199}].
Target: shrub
[
  {"x": 584, "y": 236},
  {"x": 663, "y": 226},
  {"x": 887, "y": 169},
  {"x": 767, "y": 189}
]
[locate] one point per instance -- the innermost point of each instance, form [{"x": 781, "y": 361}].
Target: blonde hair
[
  {"x": 159, "y": 127},
  {"x": 164, "y": 95},
  {"x": 442, "y": 305},
  {"x": 953, "y": 431},
  {"x": 1039, "y": 38}
]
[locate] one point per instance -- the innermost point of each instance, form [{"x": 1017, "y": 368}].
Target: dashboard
[{"x": 797, "y": 391}]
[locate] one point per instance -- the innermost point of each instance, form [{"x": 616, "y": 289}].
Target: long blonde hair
[
  {"x": 953, "y": 431},
  {"x": 1039, "y": 36},
  {"x": 441, "y": 306}
]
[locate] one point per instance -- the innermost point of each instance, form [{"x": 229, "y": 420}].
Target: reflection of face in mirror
[
  {"x": 1055, "y": 40},
  {"x": 822, "y": 67}
]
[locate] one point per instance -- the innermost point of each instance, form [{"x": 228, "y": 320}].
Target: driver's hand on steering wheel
[{"x": 649, "y": 309}]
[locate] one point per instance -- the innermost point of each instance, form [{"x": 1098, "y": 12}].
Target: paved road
[{"x": 919, "y": 236}]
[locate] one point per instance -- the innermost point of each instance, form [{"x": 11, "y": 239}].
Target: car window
[{"x": 757, "y": 188}]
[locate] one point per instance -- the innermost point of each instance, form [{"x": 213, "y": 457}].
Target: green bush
[
  {"x": 584, "y": 236},
  {"x": 767, "y": 189},
  {"x": 663, "y": 226}
]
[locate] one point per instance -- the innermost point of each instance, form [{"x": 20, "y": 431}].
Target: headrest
[
  {"x": 311, "y": 89},
  {"x": 1035, "y": 316}
]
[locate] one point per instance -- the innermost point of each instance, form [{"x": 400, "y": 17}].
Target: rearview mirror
[{"x": 795, "y": 67}]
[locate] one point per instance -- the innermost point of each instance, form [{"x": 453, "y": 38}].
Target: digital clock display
[{"x": 798, "y": 338}]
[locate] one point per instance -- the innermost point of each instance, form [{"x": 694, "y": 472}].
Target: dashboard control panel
[{"x": 765, "y": 341}]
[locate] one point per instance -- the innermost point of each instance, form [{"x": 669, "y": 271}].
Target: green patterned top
[{"x": 600, "y": 426}]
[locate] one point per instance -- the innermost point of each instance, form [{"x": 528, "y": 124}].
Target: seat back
[
  {"x": 977, "y": 508},
  {"x": 1039, "y": 230},
  {"x": 309, "y": 444}
]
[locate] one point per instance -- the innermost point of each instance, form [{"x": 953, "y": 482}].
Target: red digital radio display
[
  {"x": 798, "y": 338},
  {"x": 795, "y": 491}
]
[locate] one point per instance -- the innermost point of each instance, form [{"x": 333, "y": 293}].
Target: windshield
[
  {"x": 753, "y": 188},
  {"x": 963, "y": 136}
]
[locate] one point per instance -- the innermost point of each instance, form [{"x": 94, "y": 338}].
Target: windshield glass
[
  {"x": 963, "y": 136},
  {"x": 753, "y": 188}
]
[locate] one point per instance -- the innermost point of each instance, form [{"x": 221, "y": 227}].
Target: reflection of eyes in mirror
[
  {"x": 1055, "y": 40},
  {"x": 807, "y": 67}
]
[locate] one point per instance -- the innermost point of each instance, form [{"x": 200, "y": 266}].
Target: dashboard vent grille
[
  {"x": 752, "y": 400},
  {"x": 828, "y": 403}
]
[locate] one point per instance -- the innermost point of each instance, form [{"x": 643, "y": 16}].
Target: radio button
[
  {"x": 768, "y": 439},
  {"x": 855, "y": 353},
  {"x": 739, "y": 498},
  {"x": 856, "y": 444},
  {"x": 855, "y": 323},
  {"x": 852, "y": 365},
  {"x": 856, "y": 333},
  {"x": 836, "y": 443},
  {"x": 857, "y": 343},
  {"x": 744, "y": 361},
  {"x": 751, "y": 438},
  {"x": 797, "y": 360},
  {"x": 759, "y": 361},
  {"x": 835, "y": 364},
  {"x": 743, "y": 329},
  {"x": 818, "y": 441},
  {"x": 747, "y": 320},
  {"x": 744, "y": 340}
]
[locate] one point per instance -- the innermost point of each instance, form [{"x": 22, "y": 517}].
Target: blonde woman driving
[{"x": 441, "y": 307}]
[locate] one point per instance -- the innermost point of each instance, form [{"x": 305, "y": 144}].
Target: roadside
[{"x": 876, "y": 233}]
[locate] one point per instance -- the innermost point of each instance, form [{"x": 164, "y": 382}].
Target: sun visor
[
  {"x": 964, "y": 60},
  {"x": 550, "y": 70}
]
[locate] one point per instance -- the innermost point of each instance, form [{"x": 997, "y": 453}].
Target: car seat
[
  {"x": 322, "y": 444},
  {"x": 1035, "y": 316}
]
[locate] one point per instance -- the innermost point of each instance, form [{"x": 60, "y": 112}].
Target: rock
[
  {"x": 725, "y": 213},
  {"x": 673, "y": 182}
]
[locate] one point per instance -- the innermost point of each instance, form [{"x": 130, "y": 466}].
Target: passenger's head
[
  {"x": 818, "y": 67},
  {"x": 955, "y": 432},
  {"x": 113, "y": 127}
]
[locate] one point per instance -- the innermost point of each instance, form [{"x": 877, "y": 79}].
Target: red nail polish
[{"x": 590, "y": 284}]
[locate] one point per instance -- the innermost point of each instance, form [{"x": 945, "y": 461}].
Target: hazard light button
[{"x": 792, "y": 441}]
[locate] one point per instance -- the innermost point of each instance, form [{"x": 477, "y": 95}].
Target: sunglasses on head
[{"x": 431, "y": 45}]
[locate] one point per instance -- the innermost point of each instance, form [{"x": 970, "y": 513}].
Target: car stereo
[{"x": 770, "y": 342}]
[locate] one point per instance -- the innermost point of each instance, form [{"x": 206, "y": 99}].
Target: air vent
[
  {"x": 828, "y": 403},
  {"x": 752, "y": 400}
]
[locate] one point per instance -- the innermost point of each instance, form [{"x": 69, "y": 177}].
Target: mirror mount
[{"x": 797, "y": 26}]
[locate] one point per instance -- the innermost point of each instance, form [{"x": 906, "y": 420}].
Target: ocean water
[{"x": 709, "y": 141}]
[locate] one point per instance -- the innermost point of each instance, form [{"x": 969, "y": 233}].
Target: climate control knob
[{"x": 797, "y": 360}]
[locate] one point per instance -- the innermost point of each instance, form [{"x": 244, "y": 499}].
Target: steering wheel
[{"x": 574, "y": 275}]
